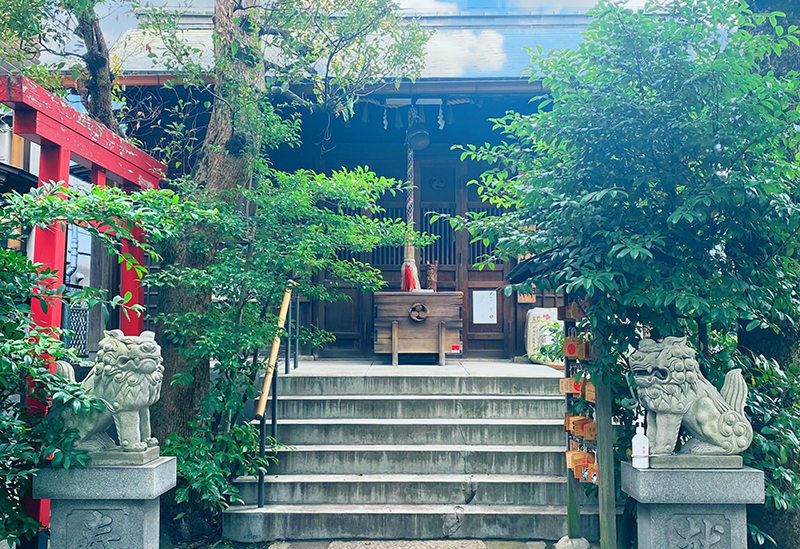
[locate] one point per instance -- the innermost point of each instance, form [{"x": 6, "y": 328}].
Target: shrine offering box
[{"x": 418, "y": 322}]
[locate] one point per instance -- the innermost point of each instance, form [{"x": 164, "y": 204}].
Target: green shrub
[{"x": 29, "y": 439}]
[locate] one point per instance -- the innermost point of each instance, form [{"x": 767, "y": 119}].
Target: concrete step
[
  {"x": 420, "y": 406},
  {"x": 407, "y": 489},
  {"x": 521, "y": 432},
  {"x": 419, "y": 455},
  {"x": 295, "y": 384},
  {"x": 249, "y": 524},
  {"x": 421, "y": 459}
]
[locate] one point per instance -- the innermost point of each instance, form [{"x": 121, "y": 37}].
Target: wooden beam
[
  {"x": 455, "y": 86},
  {"x": 38, "y": 127},
  {"x": 41, "y": 116},
  {"x": 395, "y": 343}
]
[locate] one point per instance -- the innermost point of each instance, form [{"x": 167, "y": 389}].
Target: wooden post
[
  {"x": 131, "y": 282},
  {"x": 395, "y": 342},
  {"x": 50, "y": 249},
  {"x": 573, "y": 509},
  {"x": 50, "y": 244},
  {"x": 17, "y": 151},
  {"x": 442, "y": 340},
  {"x": 605, "y": 465}
]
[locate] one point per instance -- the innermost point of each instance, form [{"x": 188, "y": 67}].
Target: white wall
[
  {"x": 5, "y": 144},
  {"x": 36, "y": 152}
]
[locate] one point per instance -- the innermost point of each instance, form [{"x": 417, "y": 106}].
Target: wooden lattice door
[{"x": 442, "y": 184}]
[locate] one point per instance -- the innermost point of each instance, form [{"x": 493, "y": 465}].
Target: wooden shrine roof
[{"x": 473, "y": 39}]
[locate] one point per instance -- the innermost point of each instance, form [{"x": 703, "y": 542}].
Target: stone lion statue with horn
[
  {"x": 126, "y": 377},
  {"x": 674, "y": 392}
]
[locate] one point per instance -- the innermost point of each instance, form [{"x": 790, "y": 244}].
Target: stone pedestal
[
  {"x": 684, "y": 508},
  {"x": 111, "y": 506}
]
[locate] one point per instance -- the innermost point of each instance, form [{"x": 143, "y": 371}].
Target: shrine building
[{"x": 474, "y": 72}]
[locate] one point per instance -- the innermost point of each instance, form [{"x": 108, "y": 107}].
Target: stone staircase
[{"x": 412, "y": 457}]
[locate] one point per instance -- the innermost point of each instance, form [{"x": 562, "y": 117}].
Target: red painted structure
[{"x": 65, "y": 135}]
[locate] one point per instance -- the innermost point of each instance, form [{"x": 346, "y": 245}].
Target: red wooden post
[
  {"x": 50, "y": 245},
  {"x": 98, "y": 176},
  {"x": 133, "y": 324},
  {"x": 50, "y": 249}
]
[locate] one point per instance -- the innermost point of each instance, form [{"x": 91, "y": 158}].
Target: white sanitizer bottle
[{"x": 640, "y": 449}]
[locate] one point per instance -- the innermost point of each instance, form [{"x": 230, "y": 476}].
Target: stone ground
[
  {"x": 401, "y": 544},
  {"x": 405, "y": 544},
  {"x": 380, "y": 366}
]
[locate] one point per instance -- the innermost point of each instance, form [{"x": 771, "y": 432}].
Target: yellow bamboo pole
[{"x": 273, "y": 355}]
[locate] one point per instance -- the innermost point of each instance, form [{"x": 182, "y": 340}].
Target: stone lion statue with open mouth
[
  {"x": 127, "y": 377},
  {"x": 674, "y": 392}
]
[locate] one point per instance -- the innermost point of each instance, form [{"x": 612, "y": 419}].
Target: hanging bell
[{"x": 417, "y": 136}]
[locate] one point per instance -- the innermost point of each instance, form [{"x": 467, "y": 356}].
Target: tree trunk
[
  {"x": 96, "y": 97},
  {"x": 179, "y": 404},
  {"x": 225, "y": 163}
]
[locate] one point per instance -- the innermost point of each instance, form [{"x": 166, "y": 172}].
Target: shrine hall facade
[{"x": 474, "y": 73}]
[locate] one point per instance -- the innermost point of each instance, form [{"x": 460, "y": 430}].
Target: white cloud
[{"x": 453, "y": 53}]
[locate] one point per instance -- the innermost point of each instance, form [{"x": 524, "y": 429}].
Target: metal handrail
[
  {"x": 288, "y": 358},
  {"x": 296, "y": 332},
  {"x": 265, "y": 389}
]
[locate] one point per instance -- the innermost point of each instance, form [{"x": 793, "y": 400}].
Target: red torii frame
[{"x": 65, "y": 135}]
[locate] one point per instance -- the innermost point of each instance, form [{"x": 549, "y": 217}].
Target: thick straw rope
[{"x": 410, "y": 187}]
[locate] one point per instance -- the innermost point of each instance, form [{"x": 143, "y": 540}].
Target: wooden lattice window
[
  {"x": 444, "y": 248},
  {"x": 478, "y": 250},
  {"x": 389, "y": 255}
]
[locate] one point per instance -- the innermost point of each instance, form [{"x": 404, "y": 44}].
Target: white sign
[{"x": 484, "y": 307}]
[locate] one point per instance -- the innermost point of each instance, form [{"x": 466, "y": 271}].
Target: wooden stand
[{"x": 418, "y": 323}]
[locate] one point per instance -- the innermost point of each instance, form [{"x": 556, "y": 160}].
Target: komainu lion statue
[
  {"x": 674, "y": 392},
  {"x": 127, "y": 377}
]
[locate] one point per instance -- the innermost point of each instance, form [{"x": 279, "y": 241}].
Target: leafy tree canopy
[{"x": 659, "y": 179}]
